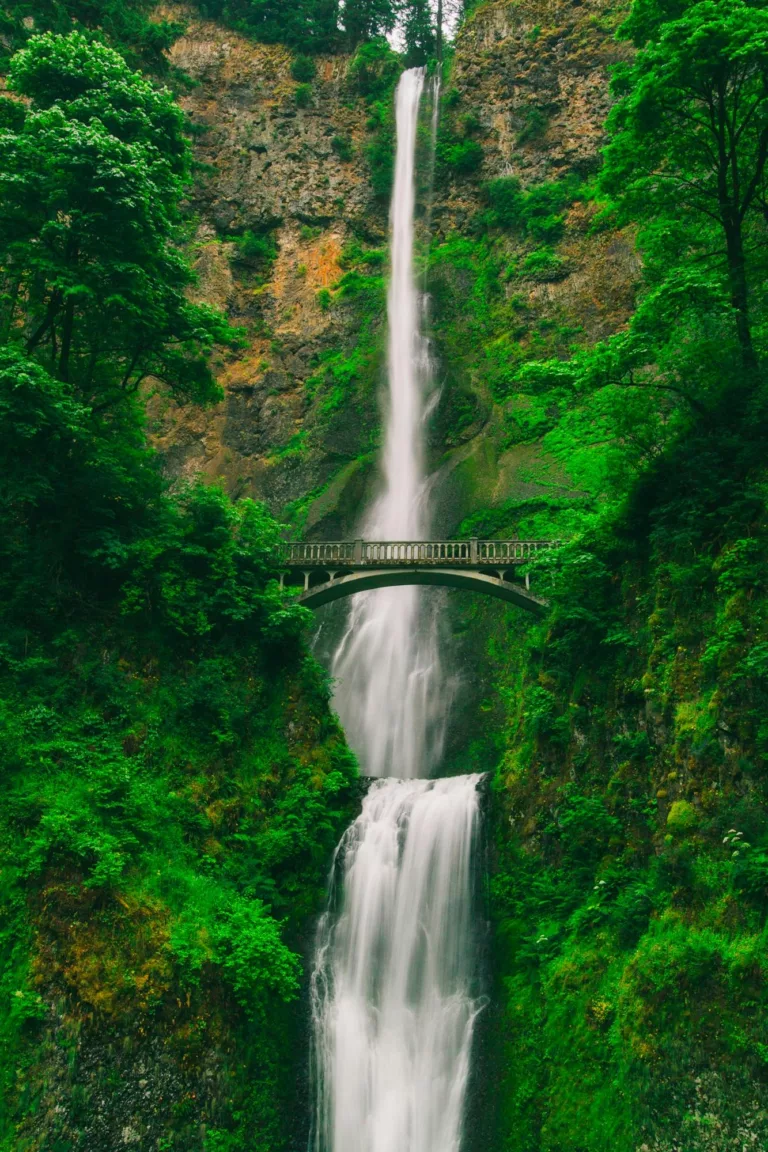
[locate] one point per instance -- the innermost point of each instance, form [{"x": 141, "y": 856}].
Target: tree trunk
[
  {"x": 66, "y": 338},
  {"x": 737, "y": 276},
  {"x": 11, "y": 299}
]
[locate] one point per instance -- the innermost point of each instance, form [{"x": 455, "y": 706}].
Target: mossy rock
[{"x": 682, "y": 817}]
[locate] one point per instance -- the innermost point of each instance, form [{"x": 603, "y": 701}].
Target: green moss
[
  {"x": 682, "y": 816},
  {"x": 545, "y": 265}
]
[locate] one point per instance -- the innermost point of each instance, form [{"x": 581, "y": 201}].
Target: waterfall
[
  {"x": 390, "y": 694},
  {"x": 393, "y": 989},
  {"x": 393, "y": 1005}
]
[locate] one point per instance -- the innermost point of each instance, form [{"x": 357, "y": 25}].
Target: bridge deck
[{"x": 350, "y": 554}]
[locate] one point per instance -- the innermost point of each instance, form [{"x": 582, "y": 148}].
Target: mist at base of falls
[{"x": 394, "y": 986}]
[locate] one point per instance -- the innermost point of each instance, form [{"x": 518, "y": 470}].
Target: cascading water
[
  {"x": 389, "y": 693},
  {"x": 392, "y": 997},
  {"x": 393, "y": 991}
]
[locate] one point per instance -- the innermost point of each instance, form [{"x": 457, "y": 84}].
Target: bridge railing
[
  {"x": 388, "y": 553},
  {"x": 300, "y": 553}
]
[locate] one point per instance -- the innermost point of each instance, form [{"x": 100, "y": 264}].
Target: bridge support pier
[{"x": 306, "y": 580}]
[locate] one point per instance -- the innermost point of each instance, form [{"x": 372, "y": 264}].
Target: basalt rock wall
[{"x": 528, "y": 86}]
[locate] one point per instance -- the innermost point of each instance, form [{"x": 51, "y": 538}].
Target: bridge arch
[{"x": 472, "y": 581}]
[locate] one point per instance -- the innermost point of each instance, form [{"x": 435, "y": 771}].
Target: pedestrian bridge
[{"x": 329, "y": 571}]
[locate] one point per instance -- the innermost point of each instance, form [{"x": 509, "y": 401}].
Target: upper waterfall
[{"x": 387, "y": 668}]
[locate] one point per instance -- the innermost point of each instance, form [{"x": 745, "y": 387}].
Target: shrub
[
  {"x": 464, "y": 156},
  {"x": 682, "y": 817},
  {"x": 534, "y": 125},
  {"x": 303, "y": 69},
  {"x": 374, "y": 69},
  {"x": 380, "y": 152},
  {"x": 303, "y": 95},
  {"x": 507, "y": 201},
  {"x": 544, "y": 265},
  {"x": 538, "y": 212},
  {"x": 342, "y": 146},
  {"x": 256, "y": 250}
]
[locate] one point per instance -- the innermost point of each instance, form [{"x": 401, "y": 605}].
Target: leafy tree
[
  {"x": 303, "y": 69},
  {"x": 419, "y": 32},
  {"x": 368, "y": 19},
  {"x": 125, "y": 23},
  {"x": 690, "y": 135},
  {"x": 93, "y": 281},
  {"x": 307, "y": 25}
]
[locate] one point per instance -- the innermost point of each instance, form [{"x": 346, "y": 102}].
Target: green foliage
[
  {"x": 690, "y": 137},
  {"x": 374, "y": 70},
  {"x": 257, "y": 251},
  {"x": 145, "y": 697},
  {"x": 307, "y": 26},
  {"x": 342, "y": 146},
  {"x": 629, "y": 845},
  {"x": 538, "y": 212},
  {"x": 173, "y": 780},
  {"x": 243, "y": 939},
  {"x": 89, "y": 227},
  {"x": 125, "y": 23},
  {"x": 303, "y": 69},
  {"x": 535, "y": 125},
  {"x": 369, "y": 20},
  {"x": 545, "y": 265},
  {"x": 419, "y": 32},
  {"x": 461, "y": 156},
  {"x": 484, "y": 328},
  {"x": 343, "y": 384},
  {"x": 303, "y": 95}
]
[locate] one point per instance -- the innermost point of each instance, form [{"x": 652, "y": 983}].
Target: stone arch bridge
[{"x": 329, "y": 571}]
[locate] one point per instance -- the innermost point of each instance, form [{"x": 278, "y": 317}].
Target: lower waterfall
[{"x": 393, "y": 1001}]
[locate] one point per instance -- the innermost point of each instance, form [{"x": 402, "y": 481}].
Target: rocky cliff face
[
  {"x": 529, "y": 85},
  {"x": 298, "y": 427},
  {"x": 282, "y": 165}
]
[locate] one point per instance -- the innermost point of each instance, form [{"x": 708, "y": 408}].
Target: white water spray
[{"x": 393, "y": 988}]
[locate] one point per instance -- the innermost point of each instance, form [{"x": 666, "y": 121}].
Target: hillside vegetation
[
  {"x": 173, "y": 782},
  {"x": 630, "y": 842}
]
